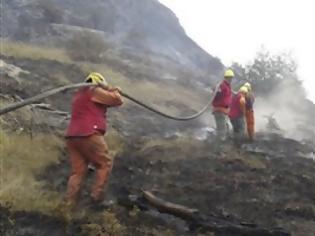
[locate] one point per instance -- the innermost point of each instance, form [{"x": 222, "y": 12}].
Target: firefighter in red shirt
[
  {"x": 85, "y": 136},
  {"x": 221, "y": 104}
]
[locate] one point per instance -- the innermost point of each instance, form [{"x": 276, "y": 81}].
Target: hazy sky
[{"x": 235, "y": 30}]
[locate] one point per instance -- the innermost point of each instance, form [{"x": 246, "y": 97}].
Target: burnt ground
[
  {"x": 270, "y": 183},
  {"x": 275, "y": 188}
]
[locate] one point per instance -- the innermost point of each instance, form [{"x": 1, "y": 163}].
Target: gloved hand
[{"x": 118, "y": 89}]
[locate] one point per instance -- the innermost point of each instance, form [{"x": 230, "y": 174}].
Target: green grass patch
[
  {"x": 23, "y": 50},
  {"x": 21, "y": 159},
  {"x": 250, "y": 161}
]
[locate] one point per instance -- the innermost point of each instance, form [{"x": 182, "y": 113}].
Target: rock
[{"x": 12, "y": 71}]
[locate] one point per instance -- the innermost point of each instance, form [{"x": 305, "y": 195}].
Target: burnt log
[
  {"x": 212, "y": 223},
  {"x": 168, "y": 207}
]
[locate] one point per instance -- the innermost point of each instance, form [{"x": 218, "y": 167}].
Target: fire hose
[{"x": 51, "y": 92}]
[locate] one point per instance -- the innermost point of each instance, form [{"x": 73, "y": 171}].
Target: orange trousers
[
  {"x": 250, "y": 123},
  {"x": 82, "y": 151}
]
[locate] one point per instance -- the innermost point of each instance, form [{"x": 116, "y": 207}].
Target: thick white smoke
[{"x": 287, "y": 104}]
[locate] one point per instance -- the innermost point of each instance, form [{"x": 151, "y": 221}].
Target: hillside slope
[
  {"x": 137, "y": 27},
  {"x": 268, "y": 184}
]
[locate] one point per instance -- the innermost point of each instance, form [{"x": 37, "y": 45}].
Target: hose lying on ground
[{"x": 49, "y": 93}]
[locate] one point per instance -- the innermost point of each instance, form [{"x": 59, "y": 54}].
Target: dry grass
[
  {"x": 180, "y": 142},
  {"x": 157, "y": 93},
  {"x": 23, "y": 50},
  {"x": 108, "y": 225},
  {"x": 18, "y": 121},
  {"x": 185, "y": 143},
  {"x": 167, "y": 96},
  {"x": 86, "y": 46},
  {"x": 250, "y": 161},
  {"x": 145, "y": 231},
  {"x": 21, "y": 159},
  {"x": 115, "y": 142}
]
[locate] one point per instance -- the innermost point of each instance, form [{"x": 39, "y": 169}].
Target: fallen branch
[
  {"x": 168, "y": 207},
  {"x": 4, "y": 96},
  {"x": 210, "y": 223},
  {"x": 41, "y": 96},
  {"x": 59, "y": 113},
  {"x": 42, "y": 106}
]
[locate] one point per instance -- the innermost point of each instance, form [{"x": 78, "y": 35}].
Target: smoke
[
  {"x": 287, "y": 104},
  {"x": 290, "y": 109}
]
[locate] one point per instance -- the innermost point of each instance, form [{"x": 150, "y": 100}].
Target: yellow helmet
[
  {"x": 228, "y": 74},
  {"x": 95, "y": 78},
  {"x": 243, "y": 89},
  {"x": 248, "y": 86}
]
